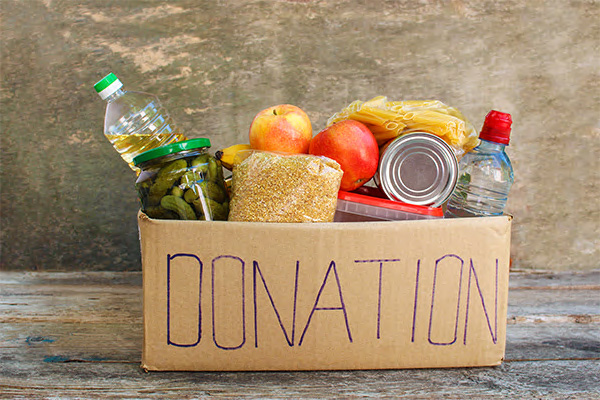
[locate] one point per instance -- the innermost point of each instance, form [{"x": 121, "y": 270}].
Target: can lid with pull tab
[{"x": 418, "y": 168}]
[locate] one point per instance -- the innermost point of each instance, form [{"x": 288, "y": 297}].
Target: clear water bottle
[
  {"x": 485, "y": 173},
  {"x": 134, "y": 121}
]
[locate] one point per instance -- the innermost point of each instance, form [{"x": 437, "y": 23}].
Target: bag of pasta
[
  {"x": 272, "y": 187},
  {"x": 390, "y": 119}
]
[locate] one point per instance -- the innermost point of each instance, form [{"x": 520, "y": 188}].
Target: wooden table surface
[{"x": 79, "y": 335}]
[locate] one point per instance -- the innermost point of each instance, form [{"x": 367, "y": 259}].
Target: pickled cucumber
[
  {"x": 217, "y": 211},
  {"x": 213, "y": 191},
  {"x": 177, "y": 191},
  {"x": 190, "y": 195},
  {"x": 165, "y": 178},
  {"x": 222, "y": 213},
  {"x": 178, "y": 205},
  {"x": 190, "y": 178},
  {"x": 158, "y": 212},
  {"x": 215, "y": 170},
  {"x": 200, "y": 163},
  {"x": 186, "y": 189}
]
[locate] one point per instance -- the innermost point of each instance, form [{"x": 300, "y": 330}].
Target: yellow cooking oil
[{"x": 129, "y": 146}]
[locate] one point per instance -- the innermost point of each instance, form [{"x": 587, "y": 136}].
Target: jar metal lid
[
  {"x": 418, "y": 168},
  {"x": 172, "y": 148}
]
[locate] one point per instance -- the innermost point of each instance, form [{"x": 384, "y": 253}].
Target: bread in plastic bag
[
  {"x": 272, "y": 187},
  {"x": 390, "y": 119}
]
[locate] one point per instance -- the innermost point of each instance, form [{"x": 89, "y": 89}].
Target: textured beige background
[{"x": 67, "y": 200}]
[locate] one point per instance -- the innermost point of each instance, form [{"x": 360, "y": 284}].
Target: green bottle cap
[
  {"x": 108, "y": 85},
  {"x": 172, "y": 148}
]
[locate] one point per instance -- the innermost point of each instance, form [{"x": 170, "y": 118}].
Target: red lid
[
  {"x": 391, "y": 204},
  {"x": 496, "y": 127}
]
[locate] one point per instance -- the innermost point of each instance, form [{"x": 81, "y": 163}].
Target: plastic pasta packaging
[
  {"x": 390, "y": 119},
  {"x": 272, "y": 187}
]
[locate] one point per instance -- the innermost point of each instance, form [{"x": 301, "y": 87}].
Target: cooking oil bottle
[{"x": 134, "y": 122}]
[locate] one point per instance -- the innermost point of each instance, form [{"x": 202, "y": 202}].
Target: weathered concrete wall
[{"x": 68, "y": 201}]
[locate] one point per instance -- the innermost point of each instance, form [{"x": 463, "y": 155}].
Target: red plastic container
[{"x": 354, "y": 207}]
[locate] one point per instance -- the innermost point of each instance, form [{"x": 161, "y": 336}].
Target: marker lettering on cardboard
[
  {"x": 414, "y": 319},
  {"x": 169, "y": 273},
  {"x": 447, "y": 280},
  {"x": 494, "y": 334},
  {"x": 342, "y": 305},
  {"x": 256, "y": 272},
  {"x": 443, "y": 261},
  {"x": 380, "y": 262},
  {"x": 243, "y": 302}
]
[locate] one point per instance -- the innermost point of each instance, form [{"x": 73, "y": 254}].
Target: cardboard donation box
[{"x": 316, "y": 296}]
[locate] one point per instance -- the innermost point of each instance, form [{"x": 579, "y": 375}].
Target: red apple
[
  {"x": 283, "y": 128},
  {"x": 353, "y": 146}
]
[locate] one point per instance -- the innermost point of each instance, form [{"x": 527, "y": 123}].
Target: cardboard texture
[{"x": 379, "y": 295}]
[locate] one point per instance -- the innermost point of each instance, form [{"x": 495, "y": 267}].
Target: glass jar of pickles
[{"x": 182, "y": 181}]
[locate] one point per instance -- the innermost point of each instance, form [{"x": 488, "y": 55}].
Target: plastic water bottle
[
  {"x": 134, "y": 121},
  {"x": 485, "y": 173}
]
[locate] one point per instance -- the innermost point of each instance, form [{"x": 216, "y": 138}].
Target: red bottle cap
[{"x": 496, "y": 127}]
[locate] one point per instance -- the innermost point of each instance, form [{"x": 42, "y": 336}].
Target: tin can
[{"x": 418, "y": 168}]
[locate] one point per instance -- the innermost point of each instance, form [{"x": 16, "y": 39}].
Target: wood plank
[
  {"x": 534, "y": 304},
  {"x": 78, "y": 301},
  {"x": 63, "y": 303},
  {"x": 566, "y": 341},
  {"x": 557, "y": 280},
  {"x": 552, "y": 379},
  {"x": 78, "y": 278},
  {"x": 70, "y": 297},
  {"x": 90, "y": 303},
  {"x": 26, "y": 295},
  {"x": 83, "y": 296},
  {"x": 518, "y": 279},
  {"x": 69, "y": 342},
  {"x": 61, "y": 342},
  {"x": 79, "y": 335}
]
